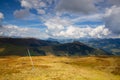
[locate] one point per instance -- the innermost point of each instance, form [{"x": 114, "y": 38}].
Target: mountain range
[
  {"x": 109, "y": 45},
  {"x": 19, "y": 46}
]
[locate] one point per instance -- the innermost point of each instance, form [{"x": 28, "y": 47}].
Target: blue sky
[
  {"x": 7, "y": 7},
  {"x": 60, "y": 18}
]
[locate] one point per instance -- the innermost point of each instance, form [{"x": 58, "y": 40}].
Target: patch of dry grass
[
  {"x": 2, "y": 49},
  {"x": 60, "y": 68}
]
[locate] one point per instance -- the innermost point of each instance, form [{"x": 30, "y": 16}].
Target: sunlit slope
[{"x": 60, "y": 68}]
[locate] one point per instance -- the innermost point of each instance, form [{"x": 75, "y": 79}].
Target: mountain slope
[
  {"x": 76, "y": 48},
  {"x": 111, "y": 45},
  {"x": 72, "y": 49},
  {"x": 17, "y": 46},
  {"x": 26, "y": 42}
]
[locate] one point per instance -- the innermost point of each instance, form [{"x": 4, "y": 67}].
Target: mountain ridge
[
  {"x": 110, "y": 45},
  {"x": 18, "y": 46}
]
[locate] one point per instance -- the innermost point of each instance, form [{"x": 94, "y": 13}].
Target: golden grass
[
  {"x": 2, "y": 49},
  {"x": 60, "y": 68}
]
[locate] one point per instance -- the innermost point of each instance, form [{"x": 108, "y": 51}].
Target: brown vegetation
[{"x": 60, "y": 68}]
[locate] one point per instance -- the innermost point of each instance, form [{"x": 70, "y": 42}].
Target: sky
[{"x": 60, "y": 19}]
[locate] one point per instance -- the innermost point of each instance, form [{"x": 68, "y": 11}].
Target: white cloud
[
  {"x": 35, "y": 4},
  {"x": 42, "y": 4},
  {"x": 63, "y": 28},
  {"x": 38, "y": 5},
  {"x": 58, "y": 26},
  {"x": 40, "y": 11},
  {"x": 99, "y": 32},
  {"x": 57, "y": 23},
  {"x": 24, "y": 14},
  {"x": 21, "y": 13},
  {"x": 92, "y": 17},
  {"x": 68, "y": 32},
  {"x": 16, "y": 31},
  {"x": 112, "y": 19},
  {"x": 77, "y": 32},
  {"x": 26, "y": 3},
  {"x": 1, "y": 15}
]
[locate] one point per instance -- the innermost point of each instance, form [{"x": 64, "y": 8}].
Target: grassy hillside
[
  {"x": 9, "y": 49},
  {"x": 60, "y": 68},
  {"x": 18, "y": 46}
]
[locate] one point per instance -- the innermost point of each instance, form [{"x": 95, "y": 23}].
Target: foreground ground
[{"x": 60, "y": 68}]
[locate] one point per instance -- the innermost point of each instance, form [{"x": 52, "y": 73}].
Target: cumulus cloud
[
  {"x": 112, "y": 20},
  {"x": 1, "y": 16},
  {"x": 21, "y": 13},
  {"x": 41, "y": 11},
  {"x": 42, "y": 7},
  {"x": 26, "y": 3},
  {"x": 61, "y": 28},
  {"x": 83, "y": 6},
  {"x": 68, "y": 32},
  {"x": 38, "y": 5},
  {"x": 24, "y": 14},
  {"x": 57, "y": 26},
  {"x": 77, "y": 32},
  {"x": 57, "y": 23},
  {"x": 16, "y": 31},
  {"x": 33, "y": 4}
]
